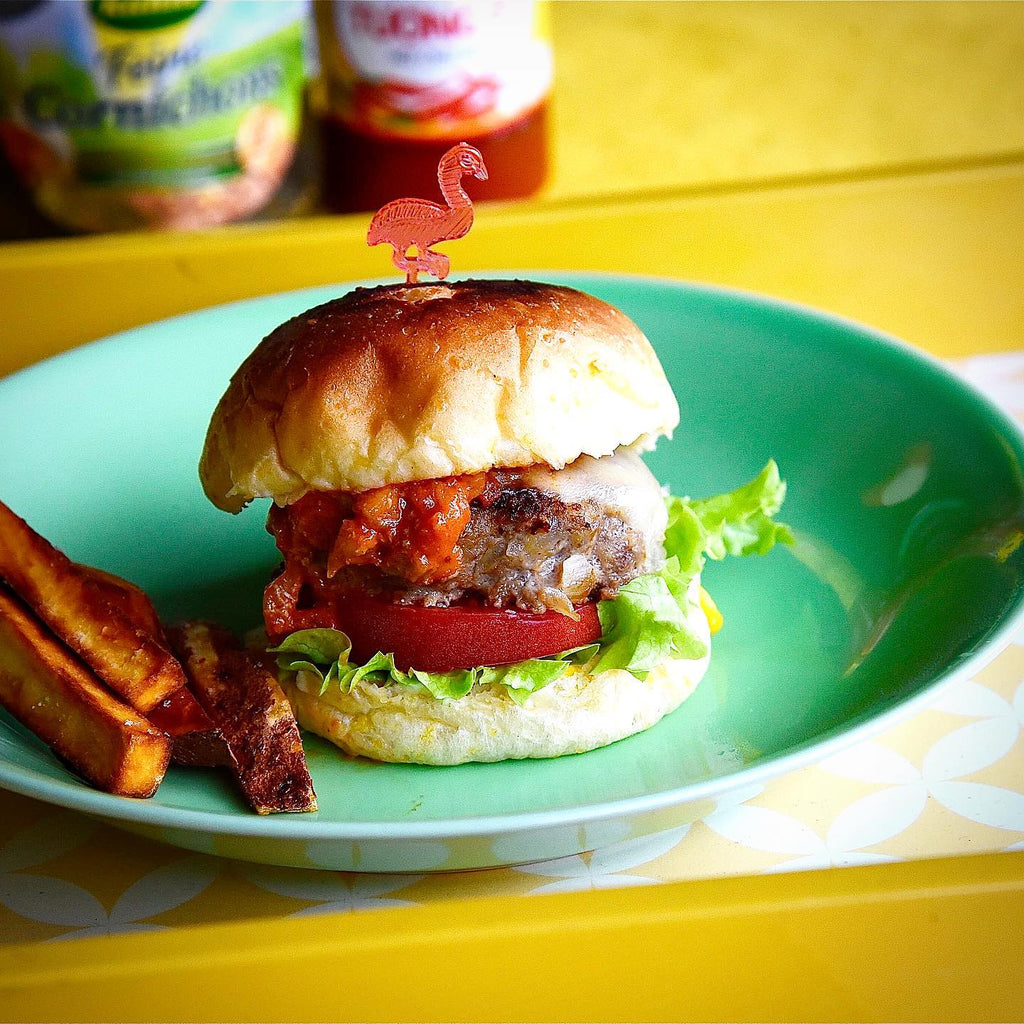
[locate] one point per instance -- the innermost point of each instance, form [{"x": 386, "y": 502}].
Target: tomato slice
[
  {"x": 460, "y": 636},
  {"x": 430, "y": 639}
]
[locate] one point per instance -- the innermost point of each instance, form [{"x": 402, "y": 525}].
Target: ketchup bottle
[{"x": 405, "y": 79}]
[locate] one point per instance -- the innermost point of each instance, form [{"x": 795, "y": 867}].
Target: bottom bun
[{"x": 577, "y": 712}]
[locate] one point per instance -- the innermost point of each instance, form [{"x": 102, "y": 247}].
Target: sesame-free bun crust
[
  {"x": 577, "y": 712},
  {"x": 399, "y": 383}
]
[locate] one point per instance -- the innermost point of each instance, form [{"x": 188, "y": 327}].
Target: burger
[{"x": 477, "y": 564}]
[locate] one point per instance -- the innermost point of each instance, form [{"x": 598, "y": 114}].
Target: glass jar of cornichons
[{"x": 121, "y": 114}]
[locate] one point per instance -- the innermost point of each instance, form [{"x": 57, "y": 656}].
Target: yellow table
[{"x": 866, "y": 159}]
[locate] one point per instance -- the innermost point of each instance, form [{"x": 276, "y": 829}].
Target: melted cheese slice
[{"x": 620, "y": 483}]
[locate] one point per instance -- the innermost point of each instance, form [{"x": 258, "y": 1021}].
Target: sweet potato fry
[
  {"x": 88, "y": 613},
  {"x": 252, "y": 713},
  {"x": 127, "y": 599},
  {"x": 52, "y": 694},
  {"x": 197, "y": 741},
  {"x": 201, "y": 749}
]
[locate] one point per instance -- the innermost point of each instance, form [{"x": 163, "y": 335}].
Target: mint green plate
[{"x": 906, "y": 496}]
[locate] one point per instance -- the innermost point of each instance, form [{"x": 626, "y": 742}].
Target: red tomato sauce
[{"x": 410, "y": 531}]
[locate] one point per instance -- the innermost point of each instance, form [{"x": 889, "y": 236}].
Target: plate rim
[{"x": 75, "y": 794}]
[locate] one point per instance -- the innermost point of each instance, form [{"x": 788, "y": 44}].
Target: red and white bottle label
[{"x": 441, "y": 68}]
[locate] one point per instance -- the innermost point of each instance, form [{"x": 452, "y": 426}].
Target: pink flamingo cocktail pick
[{"x": 412, "y": 226}]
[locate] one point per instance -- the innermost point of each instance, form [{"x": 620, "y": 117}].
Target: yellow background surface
[
  {"x": 866, "y": 158},
  {"x": 663, "y": 96},
  {"x": 934, "y": 258}
]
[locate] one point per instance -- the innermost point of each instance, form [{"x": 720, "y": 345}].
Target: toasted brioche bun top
[{"x": 399, "y": 383}]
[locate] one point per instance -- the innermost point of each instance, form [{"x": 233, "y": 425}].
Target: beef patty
[{"x": 537, "y": 539}]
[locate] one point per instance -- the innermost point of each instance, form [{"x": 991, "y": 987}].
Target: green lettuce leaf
[
  {"x": 310, "y": 650},
  {"x": 379, "y": 669},
  {"x": 526, "y": 677},
  {"x": 737, "y": 523},
  {"x": 648, "y": 622},
  {"x": 446, "y": 685},
  {"x": 685, "y": 536},
  {"x": 652, "y": 618}
]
